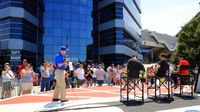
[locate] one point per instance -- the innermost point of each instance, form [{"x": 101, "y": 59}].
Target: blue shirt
[
  {"x": 28, "y": 78},
  {"x": 59, "y": 59}
]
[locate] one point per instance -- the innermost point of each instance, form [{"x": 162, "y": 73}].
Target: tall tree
[{"x": 189, "y": 42}]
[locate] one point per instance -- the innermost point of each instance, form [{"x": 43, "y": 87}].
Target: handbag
[{"x": 12, "y": 82}]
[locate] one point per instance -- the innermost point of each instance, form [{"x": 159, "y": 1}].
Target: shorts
[
  {"x": 100, "y": 82},
  {"x": 26, "y": 86},
  {"x": 89, "y": 79},
  {"x": 6, "y": 86},
  {"x": 80, "y": 82},
  {"x": 94, "y": 80},
  {"x": 117, "y": 76}
]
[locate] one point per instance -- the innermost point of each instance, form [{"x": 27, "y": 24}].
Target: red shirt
[
  {"x": 184, "y": 62},
  {"x": 19, "y": 70}
]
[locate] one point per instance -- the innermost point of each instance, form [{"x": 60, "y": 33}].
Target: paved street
[{"x": 92, "y": 99}]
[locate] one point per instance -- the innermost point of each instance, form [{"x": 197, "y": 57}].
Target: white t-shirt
[
  {"x": 94, "y": 74},
  {"x": 80, "y": 74},
  {"x": 45, "y": 74},
  {"x": 7, "y": 76},
  {"x": 100, "y": 74}
]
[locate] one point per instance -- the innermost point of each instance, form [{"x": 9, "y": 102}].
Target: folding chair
[
  {"x": 150, "y": 86},
  {"x": 165, "y": 78},
  {"x": 129, "y": 84},
  {"x": 186, "y": 80}
]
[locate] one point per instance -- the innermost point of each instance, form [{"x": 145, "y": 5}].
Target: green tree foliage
[{"x": 189, "y": 42}]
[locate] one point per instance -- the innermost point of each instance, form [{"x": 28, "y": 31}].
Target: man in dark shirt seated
[
  {"x": 134, "y": 66},
  {"x": 162, "y": 68}
]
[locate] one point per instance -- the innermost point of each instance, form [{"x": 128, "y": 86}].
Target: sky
[{"x": 167, "y": 16}]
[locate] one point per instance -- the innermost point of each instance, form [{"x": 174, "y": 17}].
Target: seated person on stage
[
  {"x": 134, "y": 66},
  {"x": 150, "y": 74},
  {"x": 162, "y": 68},
  {"x": 177, "y": 73},
  {"x": 183, "y": 61}
]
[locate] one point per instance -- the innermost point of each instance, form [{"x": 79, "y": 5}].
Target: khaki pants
[{"x": 60, "y": 88}]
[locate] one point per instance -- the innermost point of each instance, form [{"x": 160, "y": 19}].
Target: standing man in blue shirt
[{"x": 60, "y": 63}]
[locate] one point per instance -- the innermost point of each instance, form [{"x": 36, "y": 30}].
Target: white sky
[{"x": 167, "y": 16}]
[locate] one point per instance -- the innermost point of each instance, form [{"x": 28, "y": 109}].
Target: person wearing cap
[{"x": 60, "y": 64}]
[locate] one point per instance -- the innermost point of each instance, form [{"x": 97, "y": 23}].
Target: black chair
[
  {"x": 129, "y": 84},
  {"x": 186, "y": 80},
  {"x": 131, "y": 81},
  {"x": 163, "y": 81}
]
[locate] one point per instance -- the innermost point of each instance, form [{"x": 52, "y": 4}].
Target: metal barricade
[{"x": 12, "y": 86}]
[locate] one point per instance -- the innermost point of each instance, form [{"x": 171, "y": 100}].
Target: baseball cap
[{"x": 63, "y": 48}]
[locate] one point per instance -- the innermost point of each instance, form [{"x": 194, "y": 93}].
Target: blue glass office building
[
  {"x": 116, "y": 30},
  {"x": 21, "y": 31},
  {"x": 67, "y": 22}
]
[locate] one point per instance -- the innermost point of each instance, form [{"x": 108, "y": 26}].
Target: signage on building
[
  {"x": 15, "y": 55},
  {"x": 146, "y": 51},
  {"x": 15, "y": 52}
]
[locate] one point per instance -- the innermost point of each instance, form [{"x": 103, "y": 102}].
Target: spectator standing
[
  {"x": 88, "y": 76},
  {"x": 21, "y": 66},
  {"x": 7, "y": 76},
  {"x": 100, "y": 73},
  {"x": 80, "y": 75},
  {"x": 52, "y": 79},
  {"x": 27, "y": 75},
  {"x": 45, "y": 76},
  {"x": 94, "y": 78},
  {"x": 111, "y": 72},
  {"x": 117, "y": 76}
]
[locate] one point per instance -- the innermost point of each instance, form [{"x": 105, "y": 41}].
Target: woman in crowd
[
  {"x": 117, "y": 76},
  {"x": 67, "y": 81},
  {"x": 7, "y": 76},
  {"x": 150, "y": 74},
  {"x": 27, "y": 75},
  {"x": 45, "y": 76},
  {"x": 100, "y": 73},
  {"x": 88, "y": 76},
  {"x": 94, "y": 78},
  {"x": 80, "y": 75},
  {"x": 52, "y": 76},
  {"x": 111, "y": 72}
]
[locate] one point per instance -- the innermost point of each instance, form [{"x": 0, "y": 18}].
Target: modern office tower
[
  {"x": 67, "y": 22},
  {"x": 116, "y": 30},
  {"x": 21, "y": 31}
]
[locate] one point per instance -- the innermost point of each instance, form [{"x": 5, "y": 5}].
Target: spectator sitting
[{"x": 183, "y": 61}]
